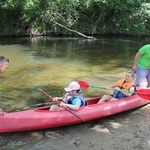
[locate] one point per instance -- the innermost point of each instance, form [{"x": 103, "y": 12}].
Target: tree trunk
[{"x": 96, "y": 23}]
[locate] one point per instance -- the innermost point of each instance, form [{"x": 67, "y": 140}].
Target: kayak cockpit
[
  {"x": 89, "y": 102},
  {"x": 45, "y": 108}
]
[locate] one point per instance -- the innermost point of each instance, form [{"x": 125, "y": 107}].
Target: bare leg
[
  {"x": 55, "y": 107},
  {"x": 113, "y": 99},
  {"x": 143, "y": 85},
  {"x": 1, "y": 112},
  {"x": 148, "y": 85},
  {"x": 105, "y": 98},
  {"x": 138, "y": 88}
]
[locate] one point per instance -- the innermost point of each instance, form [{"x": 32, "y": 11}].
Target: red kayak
[{"x": 42, "y": 118}]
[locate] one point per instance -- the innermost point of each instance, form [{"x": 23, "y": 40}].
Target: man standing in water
[
  {"x": 3, "y": 66},
  {"x": 142, "y": 66}
]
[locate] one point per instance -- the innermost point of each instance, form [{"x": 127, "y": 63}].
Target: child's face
[
  {"x": 129, "y": 77},
  {"x": 72, "y": 92}
]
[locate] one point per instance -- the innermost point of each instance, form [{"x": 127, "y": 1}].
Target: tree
[{"x": 68, "y": 17}]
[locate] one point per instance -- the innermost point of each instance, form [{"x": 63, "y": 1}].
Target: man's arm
[{"x": 135, "y": 61}]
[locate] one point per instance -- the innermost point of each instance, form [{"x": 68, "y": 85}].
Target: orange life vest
[{"x": 122, "y": 84}]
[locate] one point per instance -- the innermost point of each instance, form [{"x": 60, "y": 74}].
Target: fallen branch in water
[{"x": 71, "y": 30}]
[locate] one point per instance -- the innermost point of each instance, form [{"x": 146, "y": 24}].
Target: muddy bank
[{"x": 125, "y": 131}]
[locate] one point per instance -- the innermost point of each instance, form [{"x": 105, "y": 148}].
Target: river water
[{"x": 52, "y": 63}]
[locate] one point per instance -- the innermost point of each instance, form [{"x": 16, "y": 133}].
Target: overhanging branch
[{"x": 71, "y": 30}]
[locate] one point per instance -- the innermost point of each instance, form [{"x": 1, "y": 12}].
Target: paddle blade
[
  {"x": 83, "y": 85},
  {"x": 143, "y": 93}
]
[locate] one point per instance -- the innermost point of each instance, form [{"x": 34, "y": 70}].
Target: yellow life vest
[{"x": 122, "y": 84}]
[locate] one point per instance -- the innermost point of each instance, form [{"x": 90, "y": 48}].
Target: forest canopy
[{"x": 91, "y": 17}]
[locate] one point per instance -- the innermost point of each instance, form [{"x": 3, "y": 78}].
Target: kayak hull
[{"x": 42, "y": 118}]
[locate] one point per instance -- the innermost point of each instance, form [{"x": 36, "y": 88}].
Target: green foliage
[
  {"x": 10, "y": 16},
  {"x": 88, "y": 16}
]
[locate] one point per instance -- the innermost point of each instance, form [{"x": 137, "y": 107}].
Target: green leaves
[{"x": 87, "y": 16}]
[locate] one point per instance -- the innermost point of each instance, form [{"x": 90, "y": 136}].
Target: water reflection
[{"x": 51, "y": 63}]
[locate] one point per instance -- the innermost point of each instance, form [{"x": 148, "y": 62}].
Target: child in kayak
[
  {"x": 124, "y": 87},
  {"x": 73, "y": 99}
]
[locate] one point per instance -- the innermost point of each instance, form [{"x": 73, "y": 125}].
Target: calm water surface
[{"x": 51, "y": 63}]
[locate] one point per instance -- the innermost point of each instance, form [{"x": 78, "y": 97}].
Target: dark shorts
[{"x": 118, "y": 94}]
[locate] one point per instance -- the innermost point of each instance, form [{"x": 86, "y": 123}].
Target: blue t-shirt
[{"x": 76, "y": 100}]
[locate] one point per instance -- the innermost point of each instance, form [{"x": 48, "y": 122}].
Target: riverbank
[{"x": 125, "y": 131}]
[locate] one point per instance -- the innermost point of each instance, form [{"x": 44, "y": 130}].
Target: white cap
[{"x": 72, "y": 86}]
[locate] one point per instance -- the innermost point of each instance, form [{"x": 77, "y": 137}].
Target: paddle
[
  {"x": 58, "y": 103},
  {"x": 143, "y": 93},
  {"x": 85, "y": 85}
]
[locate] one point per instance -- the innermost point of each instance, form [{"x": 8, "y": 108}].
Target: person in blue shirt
[{"x": 73, "y": 99}]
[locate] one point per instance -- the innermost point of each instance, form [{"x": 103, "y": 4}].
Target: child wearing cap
[{"x": 73, "y": 99}]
